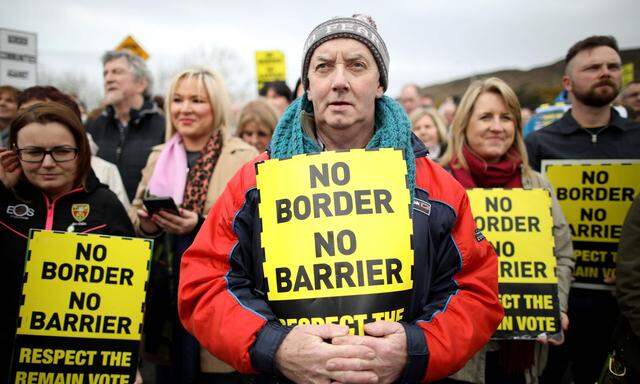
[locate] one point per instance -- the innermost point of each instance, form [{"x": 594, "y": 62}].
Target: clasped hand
[{"x": 328, "y": 354}]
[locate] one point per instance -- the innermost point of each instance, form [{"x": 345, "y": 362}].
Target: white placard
[{"x": 18, "y": 58}]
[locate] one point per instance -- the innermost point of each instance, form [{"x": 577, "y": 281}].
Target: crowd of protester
[{"x": 187, "y": 145}]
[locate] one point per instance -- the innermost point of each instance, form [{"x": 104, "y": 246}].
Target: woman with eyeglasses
[{"x": 44, "y": 175}]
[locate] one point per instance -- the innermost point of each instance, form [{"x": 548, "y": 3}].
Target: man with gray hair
[
  {"x": 131, "y": 123},
  {"x": 282, "y": 311},
  {"x": 409, "y": 98}
]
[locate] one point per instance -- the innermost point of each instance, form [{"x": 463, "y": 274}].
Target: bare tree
[
  {"x": 73, "y": 83},
  {"x": 226, "y": 61}
]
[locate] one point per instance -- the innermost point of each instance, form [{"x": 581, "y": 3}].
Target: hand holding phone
[
  {"x": 155, "y": 204},
  {"x": 163, "y": 214}
]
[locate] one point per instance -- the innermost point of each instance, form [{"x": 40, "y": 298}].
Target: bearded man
[{"x": 591, "y": 129}]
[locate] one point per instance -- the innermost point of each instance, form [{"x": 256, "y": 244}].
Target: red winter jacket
[{"x": 455, "y": 307}]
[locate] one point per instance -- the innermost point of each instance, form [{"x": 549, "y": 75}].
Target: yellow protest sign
[
  {"x": 518, "y": 223},
  {"x": 270, "y": 66},
  {"x": 82, "y": 308},
  {"x": 340, "y": 235},
  {"x": 131, "y": 44},
  {"x": 627, "y": 73},
  {"x": 595, "y": 196}
]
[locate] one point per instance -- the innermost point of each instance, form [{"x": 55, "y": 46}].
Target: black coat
[
  {"x": 129, "y": 149},
  {"x": 565, "y": 139}
]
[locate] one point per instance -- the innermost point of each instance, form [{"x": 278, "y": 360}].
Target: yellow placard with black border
[
  {"x": 627, "y": 73},
  {"x": 82, "y": 307},
  {"x": 519, "y": 226},
  {"x": 595, "y": 196},
  {"x": 270, "y": 66},
  {"x": 336, "y": 236}
]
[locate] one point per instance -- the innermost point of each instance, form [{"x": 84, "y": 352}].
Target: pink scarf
[{"x": 170, "y": 174}]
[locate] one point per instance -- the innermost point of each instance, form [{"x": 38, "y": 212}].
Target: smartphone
[{"x": 155, "y": 204}]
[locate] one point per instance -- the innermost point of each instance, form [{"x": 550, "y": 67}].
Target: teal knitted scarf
[{"x": 393, "y": 130}]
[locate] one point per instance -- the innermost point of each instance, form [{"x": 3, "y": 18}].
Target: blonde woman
[
  {"x": 193, "y": 168},
  {"x": 256, "y": 123},
  {"x": 430, "y": 129},
  {"x": 487, "y": 151}
]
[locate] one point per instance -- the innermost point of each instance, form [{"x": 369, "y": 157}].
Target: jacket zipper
[{"x": 51, "y": 206}]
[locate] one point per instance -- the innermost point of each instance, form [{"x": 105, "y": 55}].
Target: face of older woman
[
  {"x": 56, "y": 172},
  {"x": 426, "y": 131},
  {"x": 491, "y": 128},
  {"x": 256, "y": 135},
  {"x": 191, "y": 112}
]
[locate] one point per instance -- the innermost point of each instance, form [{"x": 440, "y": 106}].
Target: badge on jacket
[
  {"x": 422, "y": 206},
  {"x": 80, "y": 211}
]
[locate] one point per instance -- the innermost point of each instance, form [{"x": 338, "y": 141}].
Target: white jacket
[{"x": 108, "y": 174}]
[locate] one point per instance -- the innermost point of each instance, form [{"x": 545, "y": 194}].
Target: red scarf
[
  {"x": 504, "y": 174},
  {"x": 514, "y": 356}
]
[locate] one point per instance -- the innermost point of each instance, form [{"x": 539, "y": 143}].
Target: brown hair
[
  {"x": 260, "y": 112},
  {"x": 590, "y": 43},
  {"x": 12, "y": 90},
  {"x": 461, "y": 120},
  {"x": 50, "y": 112},
  {"x": 48, "y": 93}
]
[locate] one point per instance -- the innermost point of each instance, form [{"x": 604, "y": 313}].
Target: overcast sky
[{"x": 429, "y": 41}]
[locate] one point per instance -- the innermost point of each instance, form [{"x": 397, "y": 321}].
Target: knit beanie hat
[{"x": 358, "y": 27}]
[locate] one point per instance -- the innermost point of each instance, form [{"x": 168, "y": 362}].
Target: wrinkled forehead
[{"x": 347, "y": 49}]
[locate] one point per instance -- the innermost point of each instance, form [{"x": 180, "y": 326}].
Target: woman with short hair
[
  {"x": 430, "y": 129},
  {"x": 192, "y": 168},
  {"x": 487, "y": 151},
  {"x": 256, "y": 123},
  {"x": 46, "y": 180},
  {"x": 8, "y": 111}
]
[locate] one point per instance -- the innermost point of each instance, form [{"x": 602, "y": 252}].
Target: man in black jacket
[
  {"x": 131, "y": 123},
  {"x": 591, "y": 129}
]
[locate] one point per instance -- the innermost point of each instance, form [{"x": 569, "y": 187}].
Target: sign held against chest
[{"x": 336, "y": 228}]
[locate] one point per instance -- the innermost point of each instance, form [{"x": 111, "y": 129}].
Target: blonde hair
[
  {"x": 463, "y": 115},
  {"x": 215, "y": 89},
  {"x": 260, "y": 112},
  {"x": 441, "y": 128}
]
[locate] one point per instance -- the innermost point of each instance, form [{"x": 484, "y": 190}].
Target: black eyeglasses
[{"x": 37, "y": 154}]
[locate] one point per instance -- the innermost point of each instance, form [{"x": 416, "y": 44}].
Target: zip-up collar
[
  {"x": 26, "y": 191},
  {"x": 149, "y": 107},
  {"x": 51, "y": 205},
  {"x": 419, "y": 149}
]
